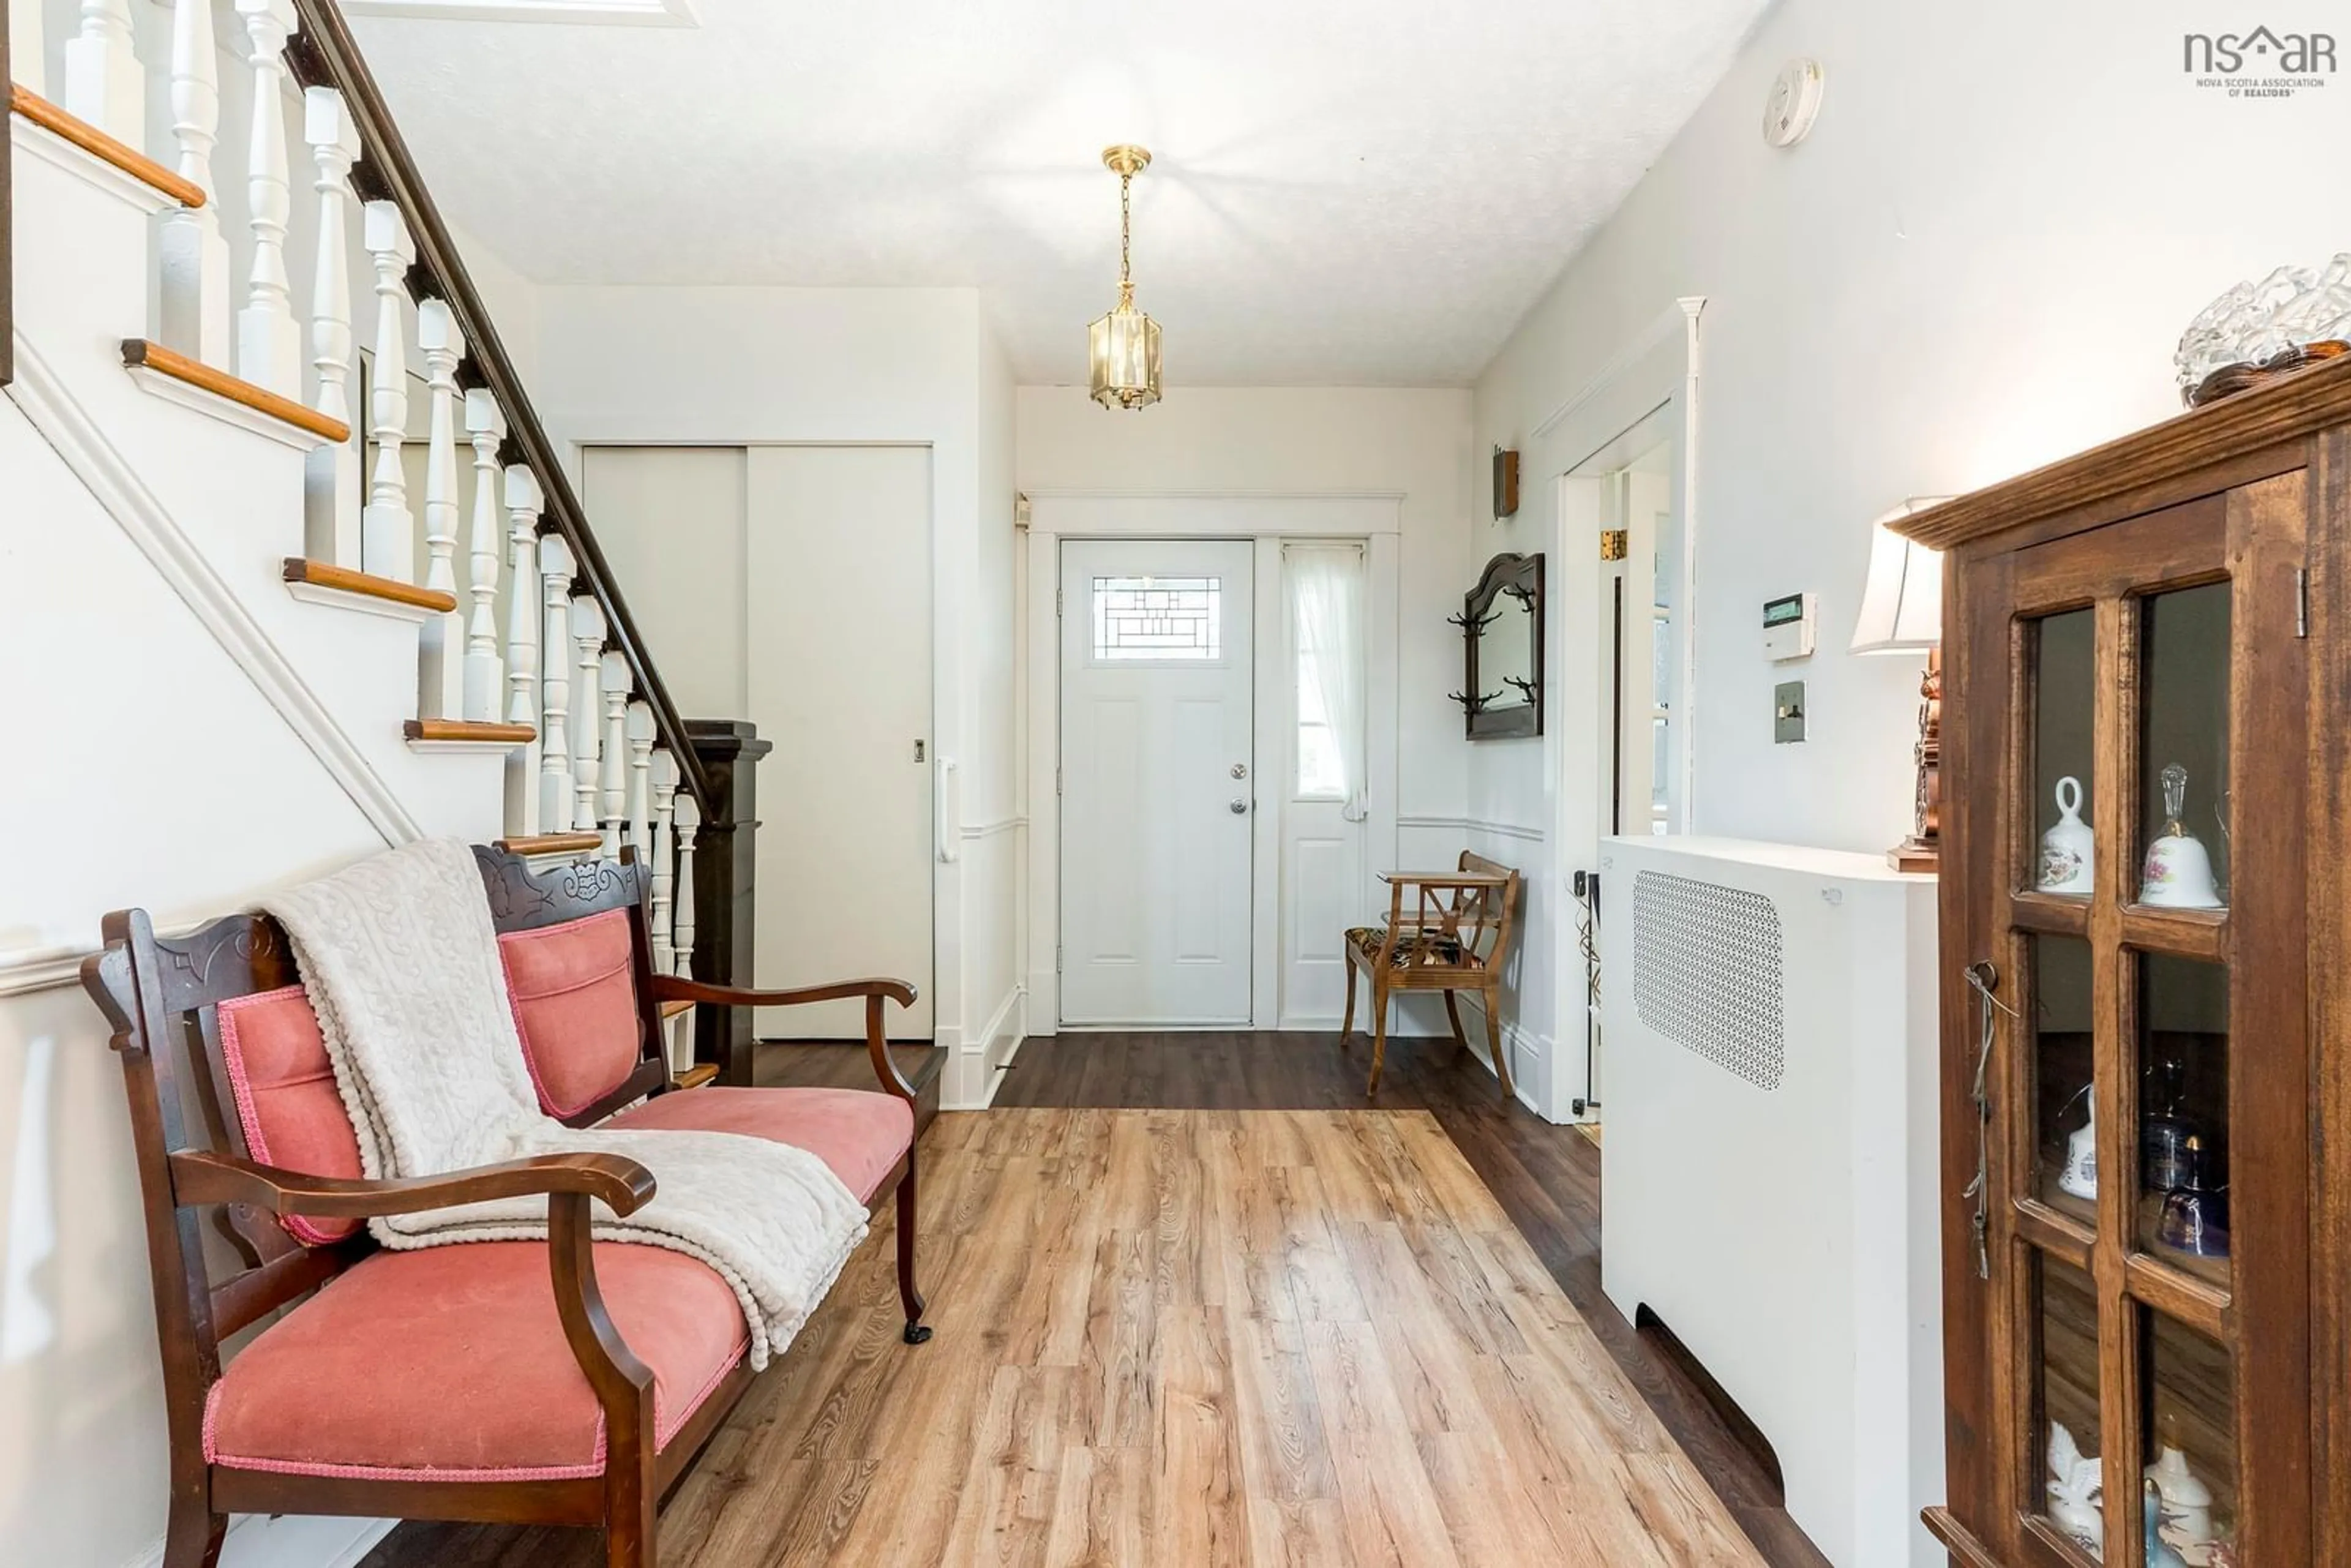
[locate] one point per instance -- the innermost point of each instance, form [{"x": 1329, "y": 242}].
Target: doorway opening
[{"x": 1633, "y": 488}]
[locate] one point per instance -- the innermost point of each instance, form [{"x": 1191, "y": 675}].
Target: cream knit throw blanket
[{"x": 401, "y": 964}]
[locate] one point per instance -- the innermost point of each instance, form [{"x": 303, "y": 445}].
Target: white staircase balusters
[
  {"x": 26, "y": 55},
  {"x": 555, "y": 786},
  {"x": 194, "y": 304},
  {"x": 523, "y": 503},
  {"x": 689, "y": 816},
  {"x": 587, "y": 642},
  {"x": 485, "y": 677},
  {"x": 663, "y": 780},
  {"x": 614, "y": 671},
  {"x": 268, "y": 345},
  {"x": 639, "y": 813},
  {"x": 387, "y": 530},
  {"x": 440, "y": 693},
  {"x": 103, "y": 82},
  {"x": 332, "y": 474}
]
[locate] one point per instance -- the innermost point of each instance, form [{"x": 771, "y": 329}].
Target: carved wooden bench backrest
[{"x": 164, "y": 997}]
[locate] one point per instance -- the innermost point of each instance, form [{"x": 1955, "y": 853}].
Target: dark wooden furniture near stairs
[
  {"x": 1454, "y": 937},
  {"x": 210, "y": 1029},
  {"x": 2146, "y": 1086}
]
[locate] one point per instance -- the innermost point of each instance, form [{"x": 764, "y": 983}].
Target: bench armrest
[
  {"x": 621, "y": 1184},
  {"x": 677, "y": 989}
]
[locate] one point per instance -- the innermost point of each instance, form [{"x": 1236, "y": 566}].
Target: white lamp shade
[{"x": 1902, "y": 602}]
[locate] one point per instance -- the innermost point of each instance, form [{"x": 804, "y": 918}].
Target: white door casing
[{"x": 1158, "y": 784}]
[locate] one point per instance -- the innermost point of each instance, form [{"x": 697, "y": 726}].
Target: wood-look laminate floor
[
  {"x": 1197, "y": 1338},
  {"x": 783, "y": 1483}
]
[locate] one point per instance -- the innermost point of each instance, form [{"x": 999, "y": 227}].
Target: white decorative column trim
[
  {"x": 688, "y": 816},
  {"x": 103, "y": 82},
  {"x": 555, "y": 794},
  {"x": 613, "y": 671},
  {"x": 332, "y": 479},
  {"x": 440, "y": 689},
  {"x": 268, "y": 345},
  {"x": 484, "y": 674},
  {"x": 587, "y": 646},
  {"x": 664, "y": 782},
  {"x": 388, "y": 528},
  {"x": 194, "y": 304},
  {"x": 639, "y": 813},
  {"x": 523, "y": 503}
]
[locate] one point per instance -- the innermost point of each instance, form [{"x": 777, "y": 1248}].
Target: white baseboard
[
  {"x": 975, "y": 1066},
  {"x": 289, "y": 1540}
]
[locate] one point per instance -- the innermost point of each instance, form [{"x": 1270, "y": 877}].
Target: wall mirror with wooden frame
[{"x": 1501, "y": 623}]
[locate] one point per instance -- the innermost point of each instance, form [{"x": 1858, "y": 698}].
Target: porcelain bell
[
  {"x": 2179, "y": 872},
  {"x": 2080, "y": 1174},
  {"x": 2066, "y": 849}
]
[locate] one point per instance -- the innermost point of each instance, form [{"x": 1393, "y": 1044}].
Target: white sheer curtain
[{"x": 1326, "y": 595}]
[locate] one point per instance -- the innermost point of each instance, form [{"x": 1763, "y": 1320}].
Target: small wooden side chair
[{"x": 1455, "y": 936}]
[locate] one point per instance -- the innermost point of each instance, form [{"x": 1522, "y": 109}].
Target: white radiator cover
[{"x": 1770, "y": 1163}]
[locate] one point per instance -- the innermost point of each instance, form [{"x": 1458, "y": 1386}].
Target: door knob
[{"x": 1240, "y": 807}]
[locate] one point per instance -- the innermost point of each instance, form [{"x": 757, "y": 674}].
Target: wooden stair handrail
[{"x": 324, "y": 54}]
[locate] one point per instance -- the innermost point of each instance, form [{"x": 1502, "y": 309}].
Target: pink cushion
[
  {"x": 286, "y": 1098},
  {"x": 574, "y": 1002},
  {"x": 860, "y": 1134},
  {"x": 450, "y": 1364}
]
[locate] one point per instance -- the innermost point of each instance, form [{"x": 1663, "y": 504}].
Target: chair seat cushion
[
  {"x": 1411, "y": 951},
  {"x": 858, "y": 1133},
  {"x": 450, "y": 1364}
]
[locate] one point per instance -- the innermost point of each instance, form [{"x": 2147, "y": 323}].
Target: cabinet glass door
[{"x": 2149, "y": 1288}]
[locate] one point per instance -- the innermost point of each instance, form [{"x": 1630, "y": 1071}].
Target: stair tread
[
  {"x": 139, "y": 353},
  {"x": 325, "y": 574},
  {"x": 552, "y": 843},
  {"x": 55, "y": 120},
  {"x": 468, "y": 729}
]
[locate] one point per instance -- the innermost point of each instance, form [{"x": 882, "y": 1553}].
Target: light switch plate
[{"x": 1788, "y": 712}]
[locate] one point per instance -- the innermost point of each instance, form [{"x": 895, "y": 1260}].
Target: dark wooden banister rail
[{"x": 324, "y": 54}]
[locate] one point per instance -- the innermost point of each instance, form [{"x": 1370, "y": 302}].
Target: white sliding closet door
[{"x": 838, "y": 633}]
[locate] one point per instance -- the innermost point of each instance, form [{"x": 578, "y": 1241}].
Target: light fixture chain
[{"x": 1126, "y": 182}]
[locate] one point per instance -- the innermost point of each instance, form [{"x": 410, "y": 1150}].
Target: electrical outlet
[{"x": 1788, "y": 712}]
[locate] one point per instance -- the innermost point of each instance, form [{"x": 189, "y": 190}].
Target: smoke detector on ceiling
[{"x": 1794, "y": 102}]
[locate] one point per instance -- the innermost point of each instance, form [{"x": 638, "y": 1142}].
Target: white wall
[
  {"x": 843, "y": 366},
  {"x": 1409, "y": 442},
  {"x": 1980, "y": 260}
]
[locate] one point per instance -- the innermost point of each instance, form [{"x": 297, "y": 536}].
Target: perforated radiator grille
[{"x": 1706, "y": 973}]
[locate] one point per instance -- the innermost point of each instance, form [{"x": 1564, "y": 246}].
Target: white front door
[{"x": 1158, "y": 783}]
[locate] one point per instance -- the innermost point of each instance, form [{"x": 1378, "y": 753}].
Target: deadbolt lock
[{"x": 1240, "y": 769}]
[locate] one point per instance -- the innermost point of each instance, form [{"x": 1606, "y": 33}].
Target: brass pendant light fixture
[{"x": 1124, "y": 346}]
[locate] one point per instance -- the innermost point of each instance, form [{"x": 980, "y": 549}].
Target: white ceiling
[{"x": 1345, "y": 192}]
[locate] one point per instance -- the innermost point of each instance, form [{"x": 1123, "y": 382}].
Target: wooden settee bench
[{"x": 568, "y": 1382}]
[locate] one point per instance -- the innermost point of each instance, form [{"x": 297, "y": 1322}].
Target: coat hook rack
[
  {"x": 1474, "y": 628},
  {"x": 1525, "y": 688},
  {"x": 1475, "y": 704}
]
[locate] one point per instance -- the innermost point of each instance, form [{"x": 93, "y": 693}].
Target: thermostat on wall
[{"x": 1788, "y": 628}]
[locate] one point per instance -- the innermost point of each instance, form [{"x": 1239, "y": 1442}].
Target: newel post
[{"x": 724, "y": 862}]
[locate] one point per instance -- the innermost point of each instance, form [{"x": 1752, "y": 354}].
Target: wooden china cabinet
[{"x": 2147, "y": 1057}]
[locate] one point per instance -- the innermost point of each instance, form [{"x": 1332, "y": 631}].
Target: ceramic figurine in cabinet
[
  {"x": 2067, "y": 850},
  {"x": 2073, "y": 1482},
  {"x": 2179, "y": 870},
  {"x": 2080, "y": 1174},
  {"x": 2159, "y": 1554},
  {"x": 2186, "y": 1507}
]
